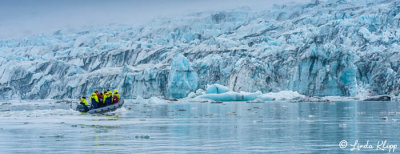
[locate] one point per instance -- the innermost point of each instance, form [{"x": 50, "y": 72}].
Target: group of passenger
[{"x": 101, "y": 99}]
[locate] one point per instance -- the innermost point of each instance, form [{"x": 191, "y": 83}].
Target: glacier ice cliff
[
  {"x": 182, "y": 79},
  {"x": 322, "y": 48}
]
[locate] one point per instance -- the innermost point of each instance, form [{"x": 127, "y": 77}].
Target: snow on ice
[{"x": 322, "y": 48}]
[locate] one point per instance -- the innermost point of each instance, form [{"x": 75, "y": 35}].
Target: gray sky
[{"x": 20, "y": 18}]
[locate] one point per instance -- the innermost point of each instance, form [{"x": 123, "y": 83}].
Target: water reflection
[{"x": 234, "y": 127}]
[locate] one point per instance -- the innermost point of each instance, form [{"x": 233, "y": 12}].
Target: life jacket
[
  {"x": 116, "y": 97},
  {"x": 94, "y": 98},
  {"x": 104, "y": 97},
  {"x": 109, "y": 96},
  {"x": 83, "y": 101},
  {"x": 99, "y": 95}
]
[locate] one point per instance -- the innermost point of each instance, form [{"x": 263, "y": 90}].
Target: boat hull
[{"x": 105, "y": 109}]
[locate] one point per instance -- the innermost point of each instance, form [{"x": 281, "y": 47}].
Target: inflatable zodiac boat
[{"x": 104, "y": 109}]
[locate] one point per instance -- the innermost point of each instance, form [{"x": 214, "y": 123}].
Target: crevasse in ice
[{"x": 322, "y": 48}]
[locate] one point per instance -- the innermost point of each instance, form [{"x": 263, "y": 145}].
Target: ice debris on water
[
  {"x": 152, "y": 100},
  {"x": 384, "y": 118},
  {"x": 313, "y": 99},
  {"x": 142, "y": 136}
]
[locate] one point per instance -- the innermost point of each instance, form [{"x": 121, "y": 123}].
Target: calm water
[{"x": 232, "y": 127}]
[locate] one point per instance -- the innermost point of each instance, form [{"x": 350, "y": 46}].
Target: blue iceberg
[{"x": 182, "y": 78}]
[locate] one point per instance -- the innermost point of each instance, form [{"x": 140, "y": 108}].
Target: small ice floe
[
  {"x": 256, "y": 101},
  {"x": 348, "y": 108},
  {"x": 361, "y": 113},
  {"x": 342, "y": 125},
  {"x": 151, "y": 100},
  {"x": 53, "y": 136},
  {"x": 257, "y": 121},
  {"x": 282, "y": 96},
  {"x": 340, "y": 98},
  {"x": 379, "y": 98},
  {"x": 63, "y": 101},
  {"x": 384, "y": 118},
  {"x": 313, "y": 99},
  {"x": 191, "y": 95},
  {"x": 142, "y": 137},
  {"x": 231, "y": 96},
  {"x": 6, "y": 103},
  {"x": 209, "y": 115},
  {"x": 231, "y": 113}
]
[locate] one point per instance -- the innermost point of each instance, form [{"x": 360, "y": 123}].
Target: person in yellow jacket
[
  {"x": 110, "y": 94},
  {"x": 94, "y": 100},
  {"x": 108, "y": 97},
  {"x": 104, "y": 97},
  {"x": 84, "y": 103},
  {"x": 116, "y": 96}
]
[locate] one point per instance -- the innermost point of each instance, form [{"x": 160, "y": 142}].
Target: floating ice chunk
[
  {"x": 216, "y": 89},
  {"x": 139, "y": 99},
  {"x": 247, "y": 96},
  {"x": 199, "y": 92},
  {"x": 191, "y": 95},
  {"x": 156, "y": 100},
  {"x": 282, "y": 95},
  {"x": 151, "y": 100},
  {"x": 340, "y": 98},
  {"x": 256, "y": 101},
  {"x": 231, "y": 96},
  {"x": 313, "y": 99}
]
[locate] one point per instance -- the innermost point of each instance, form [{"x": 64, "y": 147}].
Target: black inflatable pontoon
[{"x": 104, "y": 109}]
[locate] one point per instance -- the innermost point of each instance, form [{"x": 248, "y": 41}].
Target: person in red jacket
[
  {"x": 116, "y": 96},
  {"x": 100, "y": 98}
]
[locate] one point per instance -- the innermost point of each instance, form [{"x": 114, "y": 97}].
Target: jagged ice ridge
[{"x": 333, "y": 48}]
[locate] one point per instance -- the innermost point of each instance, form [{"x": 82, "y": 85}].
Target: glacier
[
  {"x": 182, "y": 79},
  {"x": 320, "y": 48}
]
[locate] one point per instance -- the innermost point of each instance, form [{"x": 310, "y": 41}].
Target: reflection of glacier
[{"x": 321, "y": 48}]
